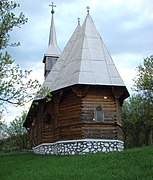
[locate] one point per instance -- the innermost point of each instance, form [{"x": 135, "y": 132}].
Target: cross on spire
[
  {"x": 88, "y": 9},
  {"x": 52, "y": 5},
  {"x": 78, "y": 20}
]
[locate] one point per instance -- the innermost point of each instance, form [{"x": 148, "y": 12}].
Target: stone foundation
[{"x": 83, "y": 146}]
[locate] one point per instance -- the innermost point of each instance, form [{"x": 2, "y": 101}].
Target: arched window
[{"x": 98, "y": 114}]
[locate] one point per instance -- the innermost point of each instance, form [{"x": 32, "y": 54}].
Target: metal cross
[
  {"x": 78, "y": 20},
  {"x": 88, "y": 9},
  {"x": 52, "y": 5}
]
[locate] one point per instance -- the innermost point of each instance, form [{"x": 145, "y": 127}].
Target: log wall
[
  {"x": 69, "y": 121},
  {"x": 36, "y": 129},
  {"x": 66, "y": 112},
  {"x": 110, "y": 126},
  {"x": 72, "y": 116},
  {"x": 48, "y": 127}
]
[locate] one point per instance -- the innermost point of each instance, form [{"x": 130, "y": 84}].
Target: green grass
[{"x": 130, "y": 164}]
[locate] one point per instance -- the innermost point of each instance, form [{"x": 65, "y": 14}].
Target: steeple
[
  {"x": 53, "y": 52},
  {"x": 63, "y": 57}
]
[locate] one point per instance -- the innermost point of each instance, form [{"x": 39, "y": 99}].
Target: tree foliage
[
  {"x": 138, "y": 109},
  {"x": 8, "y": 20},
  {"x": 16, "y": 87},
  {"x": 17, "y": 133},
  {"x": 13, "y": 136},
  {"x": 137, "y": 121},
  {"x": 144, "y": 80},
  {"x": 3, "y": 133}
]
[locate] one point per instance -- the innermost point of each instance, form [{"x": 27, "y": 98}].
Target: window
[
  {"x": 98, "y": 114},
  {"x": 50, "y": 62}
]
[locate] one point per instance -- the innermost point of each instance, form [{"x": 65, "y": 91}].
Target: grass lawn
[{"x": 130, "y": 164}]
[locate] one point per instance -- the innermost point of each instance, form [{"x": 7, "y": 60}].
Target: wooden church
[{"x": 84, "y": 114}]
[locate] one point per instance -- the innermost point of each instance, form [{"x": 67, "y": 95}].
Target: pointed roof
[
  {"x": 63, "y": 57},
  {"x": 53, "y": 49},
  {"x": 86, "y": 61}
]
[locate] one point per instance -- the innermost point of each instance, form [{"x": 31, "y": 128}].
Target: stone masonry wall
[{"x": 79, "y": 147}]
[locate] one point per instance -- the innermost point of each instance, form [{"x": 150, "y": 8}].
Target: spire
[
  {"x": 53, "y": 49},
  {"x": 53, "y": 52},
  {"x": 52, "y": 35}
]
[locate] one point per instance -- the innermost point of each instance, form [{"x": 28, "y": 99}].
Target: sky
[{"x": 126, "y": 27}]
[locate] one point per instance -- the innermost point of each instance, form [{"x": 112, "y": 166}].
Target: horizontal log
[
  {"x": 72, "y": 110},
  {"x": 68, "y": 105},
  {"x": 67, "y": 119},
  {"x": 48, "y": 136},
  {"x": 104, "y": 107}
]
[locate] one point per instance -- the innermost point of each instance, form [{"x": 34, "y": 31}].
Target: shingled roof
[{"x": 85, "y": 60}]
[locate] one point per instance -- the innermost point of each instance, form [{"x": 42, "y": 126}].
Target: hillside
[{"x": 130, "y": 164}]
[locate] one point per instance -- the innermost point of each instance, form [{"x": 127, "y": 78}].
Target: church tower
[{"x": 53, "y": 52}]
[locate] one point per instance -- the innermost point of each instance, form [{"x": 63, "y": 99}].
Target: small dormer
[
  {"x": 53, "y": 52},
  {"x": 49, "y": 63}
]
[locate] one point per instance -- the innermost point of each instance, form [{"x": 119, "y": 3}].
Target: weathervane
[
  {"x": 78, "y": 20},
  {"x": 52, "y": 5},
  {"x": 88, "y": 9}
]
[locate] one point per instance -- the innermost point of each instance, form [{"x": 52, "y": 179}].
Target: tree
[
  {"x": 16, "y": 87},
  {"x": 17, "y": 133},
  {"x": 147, "y": 120},
  {"x": 138, "y": 109},
  {"x": 144, "y": 85},
  {"x": 3, "y": 134},
  {"x": 8, "y": 20},
  {"x": 144, "y": 80},
  {"x": 137, "y": 122},
  {"x": 133, "y": 120}
]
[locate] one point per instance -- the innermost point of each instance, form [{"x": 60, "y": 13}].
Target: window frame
[{"x": 95, "y": 114}]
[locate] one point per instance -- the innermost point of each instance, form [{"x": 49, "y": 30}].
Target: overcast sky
[{"x": 126, "y": 27}]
